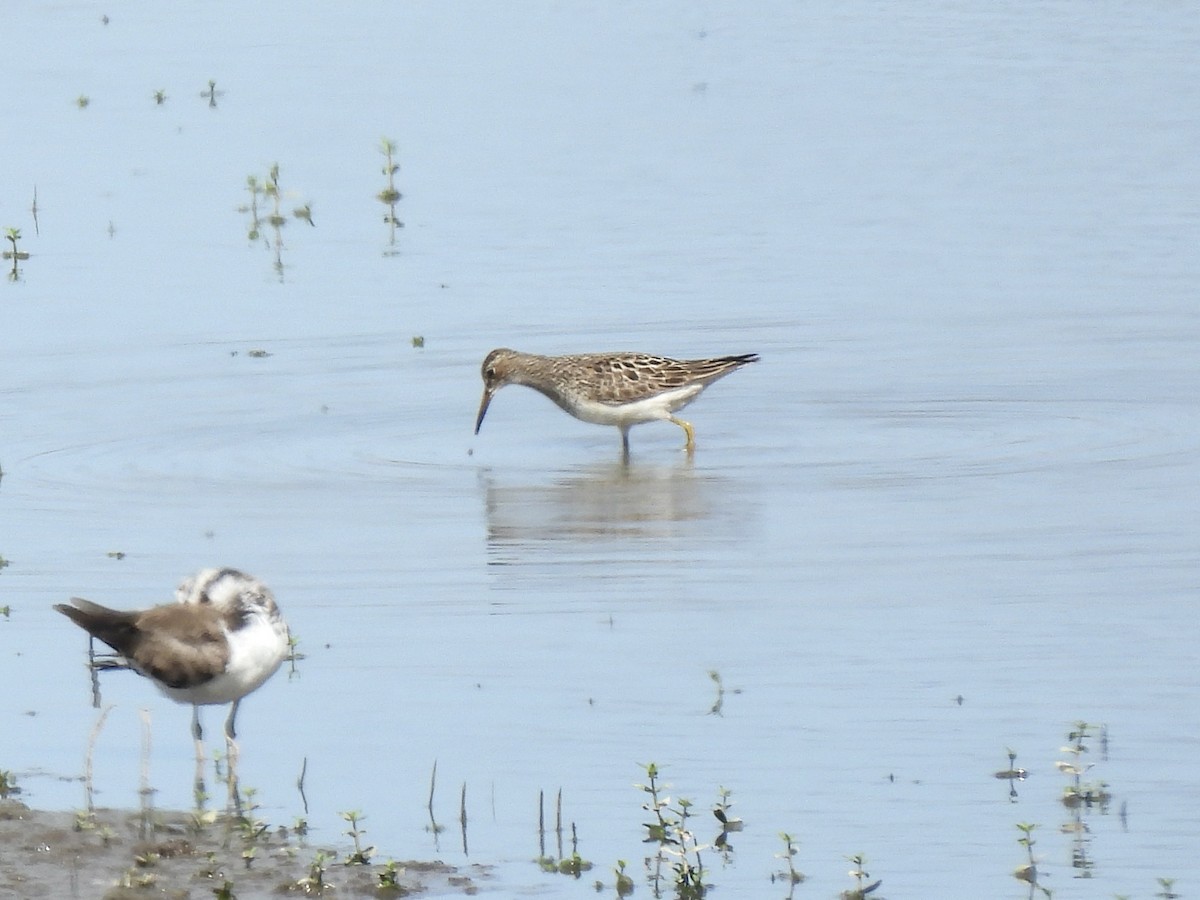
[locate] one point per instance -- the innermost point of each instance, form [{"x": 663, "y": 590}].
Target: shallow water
[{"x": 963, "y": 241}]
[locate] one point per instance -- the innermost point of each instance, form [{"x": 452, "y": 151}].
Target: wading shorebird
[
  {"x": 222, "y": 639},
  {"x": 621, "y": 389}
]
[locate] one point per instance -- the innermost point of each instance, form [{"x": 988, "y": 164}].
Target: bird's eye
[{"x": 489, "y": 373}]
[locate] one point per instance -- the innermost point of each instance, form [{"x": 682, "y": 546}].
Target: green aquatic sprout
[
  {"x": 389, "y": 877},
  {"x": 1027, "y": 871},
  {"x": 1079, "y": 792},
  {"x": 792, "y": 875},
  {"x": 721, "y": 811},
  {"x": 389, "y": 195},
  {"x": 361, "y": 856},
  {"x": 16, "y": 254},
  {"x": 314, "y": 882},
  {"x": 657, "y": 804},
  {"x": 250, "y": 827},
  {"x": 682, "y": 844},
  {"x": 860, "y": 875},
  {"x": 624, "y": 883}
]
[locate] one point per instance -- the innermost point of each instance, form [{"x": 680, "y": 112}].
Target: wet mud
[{"x": 117, "y": 854}]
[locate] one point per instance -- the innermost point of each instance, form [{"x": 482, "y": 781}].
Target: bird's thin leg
[
  {"x": 231, "y": 733},
  {"x": 687, "y": 429},
  {"x": 625, "y": 444},
  {"x": 198, "y": 736}
]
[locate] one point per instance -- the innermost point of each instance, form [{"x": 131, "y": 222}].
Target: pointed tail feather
[{"x": 111, "y": 626}]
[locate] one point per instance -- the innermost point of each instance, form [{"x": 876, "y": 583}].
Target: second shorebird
[
  {"x": 621, "y": 389},
  {"x": 220, "y": 641}
]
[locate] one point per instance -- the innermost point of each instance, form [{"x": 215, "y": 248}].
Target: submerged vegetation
[
  {"x": 15, "y": 253},
  {"x": 265, "y": 208},
  {"x": 390, "y": 196}
]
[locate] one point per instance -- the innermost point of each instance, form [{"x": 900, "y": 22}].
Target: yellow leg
[{"x": 691, "y": 435}]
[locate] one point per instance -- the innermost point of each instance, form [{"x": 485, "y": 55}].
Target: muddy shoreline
[{"x": 115, "y": 854}]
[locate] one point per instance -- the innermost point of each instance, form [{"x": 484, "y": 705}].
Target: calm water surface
[{"x": 952, "y": 511}]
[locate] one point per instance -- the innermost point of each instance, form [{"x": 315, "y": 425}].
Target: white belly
[
  {"x": 255, "y": 653},
  {"x": 651, "y": 409}
]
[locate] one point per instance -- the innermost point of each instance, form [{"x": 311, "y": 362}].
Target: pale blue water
[{"x": 963, "y": 239}]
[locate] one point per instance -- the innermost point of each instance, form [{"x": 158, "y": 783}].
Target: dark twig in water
[
  {"x": 462, "y": 816},
  {"x": 541, "y": 823},
  {"x": 300, "y": 784}
]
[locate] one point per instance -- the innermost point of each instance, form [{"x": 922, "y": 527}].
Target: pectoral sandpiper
[{"x": 621, "y": 389}]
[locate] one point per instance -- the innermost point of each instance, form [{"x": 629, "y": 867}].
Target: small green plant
[
  {"x": 200, "y": 819},
  {"x": 389, "y": 877},
  {"x": 8, "y": 781},
  {"x": 160, "y": 97},
  {"x": 418, "y": 341},
  {"x": 256, "y": 191},
  {"x": 1166, "y": 889},
  {"x": 16, "y": 254},
  {"x": 1012, "y": 773},
  {"x": 688, "y": 865},
  {"x": 1027, "y": 871},
  {"x": 792, "y": 875},
  {"x": 624, "y": 883},
  {"x": 671, "y": 831},
  {"x": 271, "y": 189},
  {"x": 225, "y": 891},
  {"x": 721, "y": 811},
  {"x": 12, "y": 235},
  {"x": 1079, "y": 792},
  {"x": 213, "y": 868},
  {"x": 314, "y": 882},
  {"x": 860, "y": 875},
  {"x": 134, "y": 878},
  {"x": 83, "y": 101},
  {"x": 268, "y": 193},
  {"x": 390, "y": 196},
  {"x": 573, "y": 865},
  {"x": 250, "y": 827},
  {"x": 657, "y": 804},
  {"x": 361, "y": 856}
]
